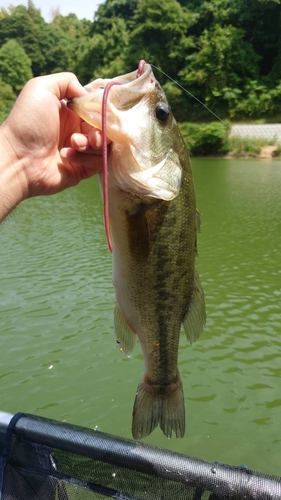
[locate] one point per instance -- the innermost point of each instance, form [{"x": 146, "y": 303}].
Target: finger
[
  {"x": 85, "y": 142},
  {"x": 95, "y": 138},
  {"x": 79, "y": 142},
  {"x": 94, "y": 133},
  {"x": 62, "y": 85},
  {"x": 82, "y": 144},
  {"x": 91, "y": 161}
]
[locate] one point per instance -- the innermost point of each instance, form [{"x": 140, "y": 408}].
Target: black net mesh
[{"x": 48, "y": 460}]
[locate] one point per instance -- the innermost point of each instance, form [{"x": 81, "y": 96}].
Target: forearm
[{"x": 11, "y": 192}]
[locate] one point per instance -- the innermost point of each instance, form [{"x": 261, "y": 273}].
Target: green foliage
[
  {"x": 109, "y": 11},
  {"x": 160, "y": 34},
  {"x": 51, "y": 47},
  {"x": 72, "y": 41},
  {"x": 213, "y": 139},
  {"x": 259, "y": 100},
  {"x": 223, "y": 61},
  {"x": 207, "y": 139},
  {"x": 105, "y": 52},
  {"x": 15, "y": 65},
  {"x": 19, "y": 26},
  {"x": 246, "y": 146},
  {"x": 74, "y": 28},
  {"x": 56, "y": 50},
  {"x": 7, "y": 99},
  {"x": 226, "y": 53},
  {"x": 102, "y": 57}
]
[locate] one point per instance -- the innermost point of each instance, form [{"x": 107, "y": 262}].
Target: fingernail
[{"x": 80, "y": 140}]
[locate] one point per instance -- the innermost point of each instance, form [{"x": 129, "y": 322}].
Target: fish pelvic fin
[
  {"x": 195, "y": 317},
  {"x": 159, "y": 405},
  {"x": 125, "y": 336}
]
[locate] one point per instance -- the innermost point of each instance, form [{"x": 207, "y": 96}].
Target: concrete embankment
[{"x": 268, "y": 131}]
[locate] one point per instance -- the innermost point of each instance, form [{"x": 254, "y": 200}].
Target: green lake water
[{"x": 58, "y": 355}]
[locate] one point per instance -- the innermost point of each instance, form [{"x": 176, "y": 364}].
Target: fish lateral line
[{"x": 191, "y": 95}]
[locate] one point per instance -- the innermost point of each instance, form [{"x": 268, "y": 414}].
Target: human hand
[{"x": 45, "y": 140}]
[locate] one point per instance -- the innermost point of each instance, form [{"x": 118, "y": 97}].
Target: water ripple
[{"x": 59, "y": 356}]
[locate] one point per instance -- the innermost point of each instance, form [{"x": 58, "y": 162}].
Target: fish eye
[{"x": 162, "y": 112}]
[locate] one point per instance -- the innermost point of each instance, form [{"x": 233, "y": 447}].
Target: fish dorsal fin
[
  {"x": 125, "y": 336},
  {"x": 195, "y": 317}
]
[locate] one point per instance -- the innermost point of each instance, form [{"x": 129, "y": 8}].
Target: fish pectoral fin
[
  {"x": 195, "y": 317},
  {"x": 138, "y": 234},
  {"x": 125, "y": 336}
]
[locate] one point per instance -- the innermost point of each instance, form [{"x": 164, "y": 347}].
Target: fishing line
[{"x": 189, "y": 93}]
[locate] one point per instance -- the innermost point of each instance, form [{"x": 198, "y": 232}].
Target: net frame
[{"x": 27, "y": 442}]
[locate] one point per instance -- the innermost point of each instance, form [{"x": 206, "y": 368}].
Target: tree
[
  {"x": 15, "y": 65},
  {"x": 7, "y": 98},
  {"x": 105, "y": 55},
  {"x": 260, "y": 20},
  {"x": 223, "y": 61},
  {"x": 19, "y": 26},
  {"x": 227, "y": 53},
  {"x": 58, "y": 50},
  {"x": 110, "y": 10},
  {"x": 73, "y": 41},
  {"x": 160, "y": 34},
  {"x": 74, "y": 28}
]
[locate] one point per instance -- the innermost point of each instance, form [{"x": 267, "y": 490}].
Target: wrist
[{"x": 11, "y": 175}]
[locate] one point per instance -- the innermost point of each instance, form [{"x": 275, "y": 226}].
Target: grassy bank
[{"x": 213, "y": 139}]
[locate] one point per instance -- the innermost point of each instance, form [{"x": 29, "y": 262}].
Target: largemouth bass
[{"x": 153, "y": 227}]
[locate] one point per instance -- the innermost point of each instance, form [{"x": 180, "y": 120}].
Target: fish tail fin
[{"x": 159, "y": 405}]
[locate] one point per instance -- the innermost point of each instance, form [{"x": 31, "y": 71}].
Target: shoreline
[
  {"x": 248, "y": 141},
  {"x": 266, "y": 153},
  {"x": 263, "y": 155}
]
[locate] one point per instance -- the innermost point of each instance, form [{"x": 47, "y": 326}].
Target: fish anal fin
[
  {"x": 195, "y": 317},
  {"x": 159, "y": 405},
  {"x": 125, "y": 336}
]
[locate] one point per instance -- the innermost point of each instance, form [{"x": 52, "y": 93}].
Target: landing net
[{"x": 42, "y": 459}]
